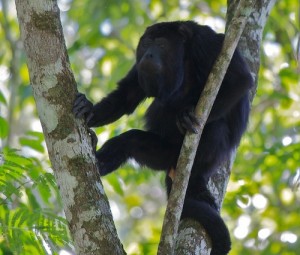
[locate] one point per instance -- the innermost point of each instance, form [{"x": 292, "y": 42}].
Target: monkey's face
[{"x": 160, "y": 62}]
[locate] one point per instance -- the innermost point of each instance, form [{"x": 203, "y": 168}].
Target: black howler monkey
[{"x": 173, "y": 60}]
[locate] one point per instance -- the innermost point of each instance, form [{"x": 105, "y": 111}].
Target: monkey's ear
[{"x": 186, "y": 32}]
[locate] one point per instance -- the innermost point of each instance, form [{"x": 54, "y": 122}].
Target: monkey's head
[{"x": 160, "y": 59}]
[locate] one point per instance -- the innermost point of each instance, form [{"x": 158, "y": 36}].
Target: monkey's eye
[
  {"x": 145, "y": 43},
  {"x": 161, "y": 43}
]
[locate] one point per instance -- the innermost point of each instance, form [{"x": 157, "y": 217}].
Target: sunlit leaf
[
  {"x": 3, "y": 128},
  {"x": 115, "y": 183},
  {"x": 2, "y": 98}
]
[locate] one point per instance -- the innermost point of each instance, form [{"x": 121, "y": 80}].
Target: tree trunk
[
  {"x": 70, "y": 151},
  {"x": 192, "y": 238}
]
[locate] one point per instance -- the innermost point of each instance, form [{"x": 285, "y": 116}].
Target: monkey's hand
[
  {"x": 187, "y": 121},
  {"x": 83, "y": 107}
]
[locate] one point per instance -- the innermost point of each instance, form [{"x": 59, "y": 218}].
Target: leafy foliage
[
  {"x": 262, "y": 203},
  {"x": 28, "y": 220}
]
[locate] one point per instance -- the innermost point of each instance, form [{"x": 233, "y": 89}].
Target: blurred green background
[{"x": 262, "y": 205}]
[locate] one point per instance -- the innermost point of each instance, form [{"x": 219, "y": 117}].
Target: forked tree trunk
[{"x": 198, "y": 242}]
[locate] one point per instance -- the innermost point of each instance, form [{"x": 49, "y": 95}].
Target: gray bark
[
  {"x": 69, "y": 146},
  {"x": 192, "y": 238}
]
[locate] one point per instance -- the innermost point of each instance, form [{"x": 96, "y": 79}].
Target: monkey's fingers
[
  {"x": 82, "y": 106},
  {"x": 187, "y": 121}
]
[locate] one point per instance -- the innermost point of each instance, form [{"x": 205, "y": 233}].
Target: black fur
[{"x": 172, "y": 64}]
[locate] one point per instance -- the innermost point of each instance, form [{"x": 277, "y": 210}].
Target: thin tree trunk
[
  {"x": 70, "y": 151},
  {"x": 191, "y": 141},
  {"x": 192, "y": 238},
  {"x": 14, "y": 81}
]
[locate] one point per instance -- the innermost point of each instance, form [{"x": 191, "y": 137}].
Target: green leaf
[
  {"x": 115, "y": 183},
  {"x": 36, "y": 145},
  {"x": 2, "y": 98},
  {"x": 3, "y": 128}
]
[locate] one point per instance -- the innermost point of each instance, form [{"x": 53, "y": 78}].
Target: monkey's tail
[{"x": 212, "y": 222}]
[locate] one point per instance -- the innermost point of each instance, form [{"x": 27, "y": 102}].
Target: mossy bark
[{"x": 69, "y": 146}]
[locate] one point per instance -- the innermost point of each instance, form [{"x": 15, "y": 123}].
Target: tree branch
[
  {"x": 14, "y": 81},
  {"x": 191, "y": 141},
  {"x": 70, "y": 151}
]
